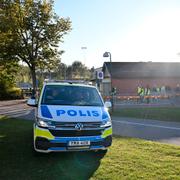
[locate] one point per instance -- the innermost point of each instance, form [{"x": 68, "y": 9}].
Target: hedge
[{"x": 11, "y": 93}]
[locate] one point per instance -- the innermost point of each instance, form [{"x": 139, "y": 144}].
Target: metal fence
[{"x": 155, "y": 99}]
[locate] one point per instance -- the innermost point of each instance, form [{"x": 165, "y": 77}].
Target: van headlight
[
  {"x": 106, "y": 120},
  {"x": 44, "y": 123},
  {"x": 106, "y": 123}
]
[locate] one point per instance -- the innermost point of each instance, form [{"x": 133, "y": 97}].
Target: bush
[
  {"x": 11, "y": 93},
  {"x": 15, "y": 93}
]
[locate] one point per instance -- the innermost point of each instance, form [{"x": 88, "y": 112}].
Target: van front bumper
[{"x": 44, "y": 141}]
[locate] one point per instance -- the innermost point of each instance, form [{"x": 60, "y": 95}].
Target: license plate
[{"x": 79, "y": 143}]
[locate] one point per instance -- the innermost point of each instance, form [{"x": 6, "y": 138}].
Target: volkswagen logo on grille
[{"x": 79, "y": 126}]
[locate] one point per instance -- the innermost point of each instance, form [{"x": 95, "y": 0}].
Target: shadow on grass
[{"x": 18, "y": 161}]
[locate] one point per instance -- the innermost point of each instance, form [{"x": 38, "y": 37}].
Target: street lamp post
[
  {"x": 84, "y": 48},
  {"x": 108, "y": 54}
]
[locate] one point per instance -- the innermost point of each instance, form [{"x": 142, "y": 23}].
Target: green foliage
[
  {"x": 78, "y": 71},
  {"x": 75, "y": 71},
  {"x": 10, "y": 93},
  {"x": 8, "y": 72},
  {"x": 31, "y": 31},
  {"x": 61, "y": 71},
  {"x": 24, "y": 74}
]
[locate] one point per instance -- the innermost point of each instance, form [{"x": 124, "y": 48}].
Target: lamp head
[{"x": 106, "y": 54}]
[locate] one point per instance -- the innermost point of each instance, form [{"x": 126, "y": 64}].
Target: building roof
[{"x": 141, "y": 69}]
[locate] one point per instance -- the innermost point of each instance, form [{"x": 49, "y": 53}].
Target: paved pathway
[
  {"x": 17, "y": 109},
  {"x": 168, "y": 132}
]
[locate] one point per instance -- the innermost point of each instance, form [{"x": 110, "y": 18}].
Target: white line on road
[{"x": 148, "y": 125}]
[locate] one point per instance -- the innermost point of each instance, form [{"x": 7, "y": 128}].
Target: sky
[{"x": 131, "y": 30}]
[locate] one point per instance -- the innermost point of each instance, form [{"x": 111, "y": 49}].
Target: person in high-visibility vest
[
  {"x": 139, "y": 91},
  {"x": 141, "y": 94},
  {"x": 147, "y": 93}
]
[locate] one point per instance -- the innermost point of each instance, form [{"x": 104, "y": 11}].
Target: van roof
[{"x": 69, "y": 83}]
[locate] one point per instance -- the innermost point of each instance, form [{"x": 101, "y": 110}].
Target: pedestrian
[
  {"x": 141, "y": 95},
  {"x": 163, "y": 90},
  {"x": 138, "y": 93},
  {"x": 158, "y": 89},
  {"x": 147, "y": 94}
]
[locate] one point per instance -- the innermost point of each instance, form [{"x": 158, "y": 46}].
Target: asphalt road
[
  {"x": 167, "y": 132},
  {"x": 17, "y": 109}
]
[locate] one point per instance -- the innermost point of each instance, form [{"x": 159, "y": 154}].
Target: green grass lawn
[
  {"x": 127, "y": 158},
  {"x": 157, "y": 113}
]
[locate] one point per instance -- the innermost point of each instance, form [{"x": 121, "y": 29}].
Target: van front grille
[
  {"x": 75, "y": 133},
  {"x": 86, "y": 125}
]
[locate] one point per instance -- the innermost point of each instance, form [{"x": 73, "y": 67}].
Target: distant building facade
[{"x": 127, "y": 76}]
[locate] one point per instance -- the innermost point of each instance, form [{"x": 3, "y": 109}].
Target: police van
[{"x": 70, "y": 117}]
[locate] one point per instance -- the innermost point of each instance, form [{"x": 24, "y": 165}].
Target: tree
[
  {"x": 61, "y": 71},
  {"x": 24, "y": 74},
  {"x": 8, "y": 71},
  {"x": 31, "y": 31},
  {"x": 78, "y": 71}
]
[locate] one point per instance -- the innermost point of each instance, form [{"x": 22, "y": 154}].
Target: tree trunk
[{"x": 33, "y": 75}]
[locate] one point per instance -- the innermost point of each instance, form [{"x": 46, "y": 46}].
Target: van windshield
[{"x": 71, "y": 95}]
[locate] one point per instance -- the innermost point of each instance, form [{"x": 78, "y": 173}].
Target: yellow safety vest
[{"x": 139, "y": 90}]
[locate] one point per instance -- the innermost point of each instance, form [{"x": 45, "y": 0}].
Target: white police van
[{"x": 71, "y": 117}]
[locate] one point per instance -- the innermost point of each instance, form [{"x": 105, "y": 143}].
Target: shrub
[{"x": 11, "y": 93}]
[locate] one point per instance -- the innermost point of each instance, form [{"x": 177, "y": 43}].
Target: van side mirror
[
  {"x": 32, "y": 102},
  {"x": 108, "y": 104}
]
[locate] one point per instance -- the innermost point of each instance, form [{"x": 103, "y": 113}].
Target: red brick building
[{"x": 127, "y": 76}]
